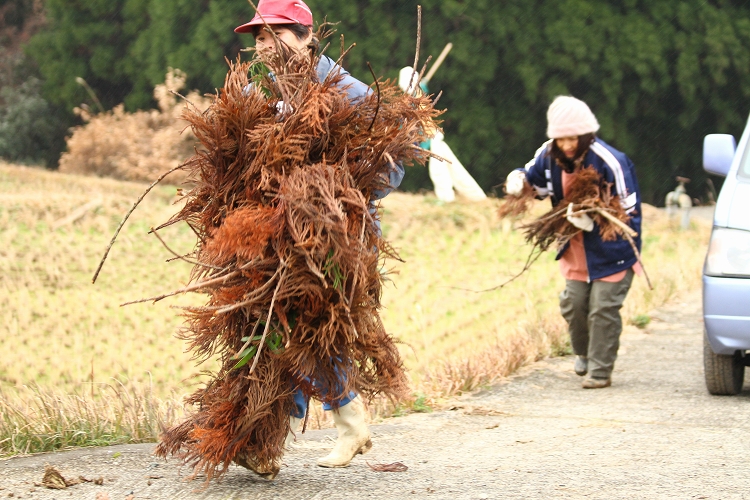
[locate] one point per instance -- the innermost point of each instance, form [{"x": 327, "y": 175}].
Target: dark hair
[
  {"x": 299, "y": 30},
  {"x": 570, "y": 164}
]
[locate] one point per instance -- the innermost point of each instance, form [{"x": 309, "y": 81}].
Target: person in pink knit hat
[{"x": 597, "y": 273}]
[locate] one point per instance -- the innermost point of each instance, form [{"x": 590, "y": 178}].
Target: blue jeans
[{"x": 300, "y": 401}]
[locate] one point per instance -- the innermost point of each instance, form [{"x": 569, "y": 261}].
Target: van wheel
[{"x": 724, "y": 373}]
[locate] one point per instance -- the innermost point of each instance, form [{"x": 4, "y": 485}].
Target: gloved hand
[
  {"x": 582, "y": 221},
  {"x": 283, "y": 108},
  {"x": 515, "y": 182}
]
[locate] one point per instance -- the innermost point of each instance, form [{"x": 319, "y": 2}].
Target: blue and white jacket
[{"x": 603, "y": 258}]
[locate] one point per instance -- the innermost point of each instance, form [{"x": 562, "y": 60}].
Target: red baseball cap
[{"x": 278, "y": 12}]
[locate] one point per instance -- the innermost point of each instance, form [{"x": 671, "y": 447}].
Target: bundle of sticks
[
  {"x": 590, "y": 195},
  {"x": 289, "y": 253}
]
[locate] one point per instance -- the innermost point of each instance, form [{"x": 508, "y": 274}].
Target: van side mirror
[{"x": 718, "y": 153}]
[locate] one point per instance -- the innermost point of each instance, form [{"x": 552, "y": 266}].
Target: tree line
[{"x": 658, "y": 75}]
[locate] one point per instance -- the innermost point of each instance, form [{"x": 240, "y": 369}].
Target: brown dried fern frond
[
  {"x": 589, "y": 194},
  {"x": 514, "y": 206}
]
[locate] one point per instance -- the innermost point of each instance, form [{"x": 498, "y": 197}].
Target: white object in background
[
  {"x": 407, "y": 79},
  {"x": 679, "y": 199},
  {"x": 451, "y": 174},
  {"x": 284, "y": 109}
]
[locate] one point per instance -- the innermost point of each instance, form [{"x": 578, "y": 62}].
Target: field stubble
[{"x": 79, "y": 369}]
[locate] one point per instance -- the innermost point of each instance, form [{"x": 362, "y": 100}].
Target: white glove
[
  {"x": 582, "y": 221},
  {"x": 283, "y": 108},
  {"x": 515, "y": 182}
]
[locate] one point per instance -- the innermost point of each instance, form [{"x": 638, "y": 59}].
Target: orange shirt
[{"x": 573, "y": 262}]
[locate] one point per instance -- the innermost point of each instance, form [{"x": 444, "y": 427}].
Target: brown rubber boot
[{"x": 596, "y": 383}]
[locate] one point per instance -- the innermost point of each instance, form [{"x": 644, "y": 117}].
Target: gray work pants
[{"x": 592, "y": 311}]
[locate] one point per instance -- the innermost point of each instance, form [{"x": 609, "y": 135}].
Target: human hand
[
  {"x": 515, "y": 182},
  {"x": 283, "y": 108},
  {"x": 583, "y": 221}
]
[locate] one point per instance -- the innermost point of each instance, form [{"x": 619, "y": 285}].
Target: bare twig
[
  {"x": 377, "y": 86},
  {"x": 135, "y": 205},
  {"x": 432, "y": 155},
  {"x": 253, "y": 297},
  {"x": 437, "y": 98},
  {"x": 340, "y": 60},
  {"x": 529, "y": 261},
  {"x": 268, "y": 322},
  {"x": 175, "y": 93},
  {"x": 424, "y": 68},
  {"x": 638, "y": 256},
  {"x": 249, "y": 340},
  {"x": 182, "y": 257},
  {"x": 414, "y": 73},
  {"x": 419, "y": 37},
  {"x": 191, "y": 288},
  {"x": 627, "y": 229}
]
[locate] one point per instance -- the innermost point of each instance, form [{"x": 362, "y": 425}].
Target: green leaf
[
  {"x": 255, "y": 339},
  {"x": 247, "y": 355},
  {"x": 274, "y": 341}
]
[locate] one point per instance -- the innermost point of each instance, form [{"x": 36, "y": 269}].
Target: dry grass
[
  {"x": 134, "y": 146},
  {"x": 66, "y": 334},
  {"x": 461, "y": 340},
  {"x": 47, "y": 419}
]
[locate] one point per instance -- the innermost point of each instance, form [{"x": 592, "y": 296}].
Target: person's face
[
  {"x": 568, "y": 145},
  {"x": 264, "y": 40}
]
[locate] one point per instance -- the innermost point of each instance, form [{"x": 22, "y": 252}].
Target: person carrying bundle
[
  {"x": 598, "y": 270},
  {"x": 293, "y": 155},
  {"x": 291, "y": 23}
]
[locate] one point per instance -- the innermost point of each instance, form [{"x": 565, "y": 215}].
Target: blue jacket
[
  {"x": 357, "y": 90},
  {"x": 603, "y": 258}
]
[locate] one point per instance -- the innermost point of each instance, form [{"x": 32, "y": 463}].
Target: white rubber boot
[
  {"x": 293, "y": 426},
  {"x": 353, "y": 438}
]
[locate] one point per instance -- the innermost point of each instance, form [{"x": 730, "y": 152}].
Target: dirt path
[{"x": 655, "y": 433}]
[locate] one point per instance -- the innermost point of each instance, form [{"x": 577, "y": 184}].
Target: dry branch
[{"x": 127, "y": 216}]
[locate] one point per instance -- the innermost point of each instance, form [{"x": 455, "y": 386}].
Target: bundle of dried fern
[
  {"x": 288, "y": 253},
  {"x": 516, "y": 205},
  {"x": 589, "y": 195}
]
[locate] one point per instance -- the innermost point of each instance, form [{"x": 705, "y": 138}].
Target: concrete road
[{"x": 654, "y": 434}]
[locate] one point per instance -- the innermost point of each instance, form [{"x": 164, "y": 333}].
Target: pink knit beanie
[{"x": 569, "y": 117}]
